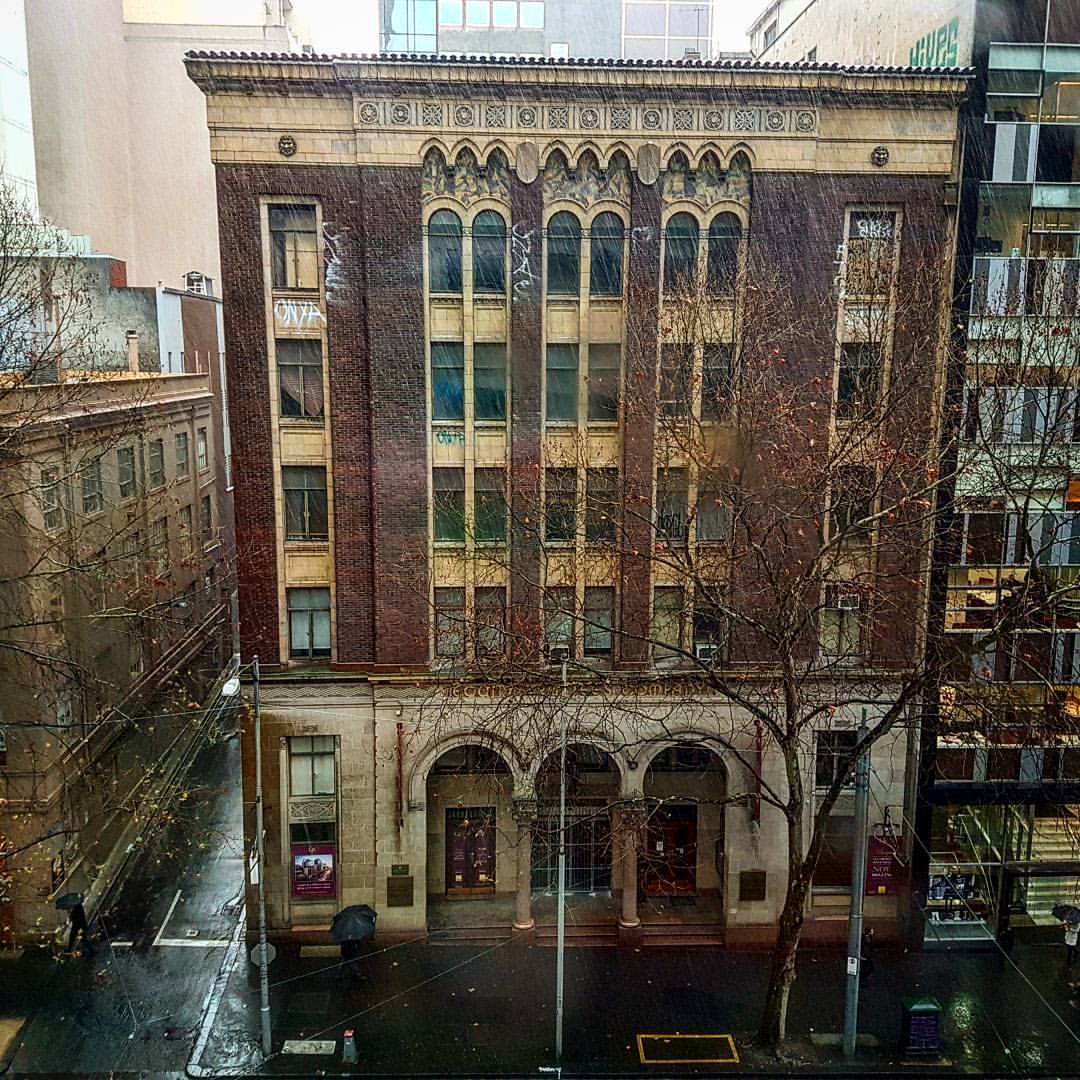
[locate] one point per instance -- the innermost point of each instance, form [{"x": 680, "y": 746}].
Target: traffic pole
[{"x": 858, "y": 887}]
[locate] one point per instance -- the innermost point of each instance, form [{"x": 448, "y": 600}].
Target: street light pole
[
  {"x": 858, "y": 887},
  {"x": 264, "y": 960},
  {"x": 560, "y": 916}
]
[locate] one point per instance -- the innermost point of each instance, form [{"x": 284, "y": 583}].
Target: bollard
[{"x": 348, "y": 1049}]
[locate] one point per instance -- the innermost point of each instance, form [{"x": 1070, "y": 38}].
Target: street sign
[{"x": 271, "y": 952}]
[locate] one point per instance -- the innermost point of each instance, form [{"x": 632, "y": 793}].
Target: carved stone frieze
[
  {"x": 703, "y": 119},
  {"x": 313, "y": 809},
  {"x": 708, "y": 184},
  {"x": 465, "y": 180},
  {"x": 588, "y": 183}
]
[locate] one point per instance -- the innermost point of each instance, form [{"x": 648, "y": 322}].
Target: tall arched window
[
  {"x": 680, "y": 252},
  {"x": 489, "y": 253},
  {"x": 564, "y": 255},
  {"x": 605, "y": 271},
  {"x": 444, "y": 252},
  {"x": 725, "y": 233}
]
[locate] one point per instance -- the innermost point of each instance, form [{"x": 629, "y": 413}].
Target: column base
[{"x": 630, "y": 934}]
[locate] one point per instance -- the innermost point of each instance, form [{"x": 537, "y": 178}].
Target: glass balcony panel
[
  {"x": 1058, "y": 160},
  {"x": 1004, "y": 213}
]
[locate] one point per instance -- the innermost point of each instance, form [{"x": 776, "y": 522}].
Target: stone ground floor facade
[{"x": 438, "y": 805}]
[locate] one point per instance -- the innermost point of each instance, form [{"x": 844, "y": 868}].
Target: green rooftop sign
[{"x": 938, "y": 48}]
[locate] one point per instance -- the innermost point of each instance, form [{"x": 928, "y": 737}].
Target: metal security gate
[{"x": 588, "y": 849}]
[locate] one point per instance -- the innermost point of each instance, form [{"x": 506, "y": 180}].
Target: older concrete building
[
  {"x": 117, "y": 576},
  {"x": 453, "y": 292}
]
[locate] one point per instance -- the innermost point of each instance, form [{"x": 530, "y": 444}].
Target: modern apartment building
[
  {"x": 639, "y": 29},
  {"x": 454, "y": 293},
  {"x": 999, "y": 820},
  {"x": 117, "y": 585}
]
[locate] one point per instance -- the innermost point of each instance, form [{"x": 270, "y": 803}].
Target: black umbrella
[
  {"x": 1069, "y": 913},
  {"x": 69, "y": 901},
  {"x": 354, "y": 923}
]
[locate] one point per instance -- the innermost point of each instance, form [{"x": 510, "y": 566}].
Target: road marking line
[
  {"x": 732, "y": 1059},
  {"x": 188, "y": 943},
  {"x": 168, "y": 916},
  {"x": 122, "y": 944}
]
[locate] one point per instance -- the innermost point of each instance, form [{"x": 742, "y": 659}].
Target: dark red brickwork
[
  {"x": 527, "y": 408},
  {"x": 794, "y": 256},
  {"x": 394, "y": 303},
  {"x": 638, "y": 449},
  {"x": 339, "y": 192},
  {"x": 375, "y": 325},
  {"x": 249, "y": 407}
]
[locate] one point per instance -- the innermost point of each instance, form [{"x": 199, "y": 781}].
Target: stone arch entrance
[
  {"x": 592, "y": 788},
  {"x": 470, "y": 830},
  {"x": 682, "y": 841}
]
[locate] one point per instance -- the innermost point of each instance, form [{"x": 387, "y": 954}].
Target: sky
[{"x": 353, "y": 25}]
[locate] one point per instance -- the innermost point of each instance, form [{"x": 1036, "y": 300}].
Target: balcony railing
[{"x": 1017, "y": 286}]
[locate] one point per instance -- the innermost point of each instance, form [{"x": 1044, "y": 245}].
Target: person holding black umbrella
[{"x": 351, "y": 927}]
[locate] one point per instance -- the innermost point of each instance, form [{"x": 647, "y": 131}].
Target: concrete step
[
  {"x": 602, "y": 935},
  {"x": 470, "y": 935},
  {"x": 682, "y": 934}
]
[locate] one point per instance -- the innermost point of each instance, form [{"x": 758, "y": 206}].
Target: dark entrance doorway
[
  {"x": 470, "y": 851},
  {"x": 669, "y": 866}
]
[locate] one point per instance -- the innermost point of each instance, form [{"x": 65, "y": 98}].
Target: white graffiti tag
[
  {"x": 299, "y": 314},
  {"x": 521, "y": 260}
]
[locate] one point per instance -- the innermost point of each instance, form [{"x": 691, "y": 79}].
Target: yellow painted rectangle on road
[
  {"x": 10, "y": 1026},
  {"x": 682, "y": 1049}
]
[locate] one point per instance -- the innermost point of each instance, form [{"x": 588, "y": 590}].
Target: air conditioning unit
[
  {"x": 707, "y": 651},
  {"x": 558, "y": 654},
  {"x": 848, "y": 601}
]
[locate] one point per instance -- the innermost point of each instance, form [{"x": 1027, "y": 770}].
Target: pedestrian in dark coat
[
  {"x": 79, "y": 934},
  {"x": 350, "y": 954},
  {"x": 867, "y": 953}
]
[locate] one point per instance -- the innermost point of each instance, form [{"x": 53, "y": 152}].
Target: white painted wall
[
  {"x": 170, "y": 330},
  {"x": 867, "y": 31}
]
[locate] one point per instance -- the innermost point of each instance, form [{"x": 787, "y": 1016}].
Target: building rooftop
[{"x": 454, "y": 59}]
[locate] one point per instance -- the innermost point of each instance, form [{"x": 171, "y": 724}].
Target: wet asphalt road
[{"x": 135, "y": 1006}]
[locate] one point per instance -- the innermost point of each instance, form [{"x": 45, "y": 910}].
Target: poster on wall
[
  {"x": 883, "y": 868},
  {"x": 314, "y": 873}
]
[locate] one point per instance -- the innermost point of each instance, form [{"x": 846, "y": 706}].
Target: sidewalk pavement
[{"x": 456, "y": 1010}]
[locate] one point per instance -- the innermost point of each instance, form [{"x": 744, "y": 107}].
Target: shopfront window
[{"x": 966, "y": 863}]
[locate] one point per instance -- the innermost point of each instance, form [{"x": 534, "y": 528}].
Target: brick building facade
[{"x": 456, "y": 298}]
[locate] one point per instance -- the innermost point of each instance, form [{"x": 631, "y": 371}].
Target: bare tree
[
  {"x": 766, "y": 530},
  {"x": 92, "y": 596}
]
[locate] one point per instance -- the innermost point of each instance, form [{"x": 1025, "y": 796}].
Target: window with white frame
[
  {"x": 155, "y": 462},
  {"x": 309, "y": 623},
  {"x": 832, "y": 757},
  {"x": 183, "y": 457},
  {"x": 125, "y": 472},
  {"x": 90, "y": 481},
  {"x": 294, "y": 247},
  {"x": 50, "y": 499},
  {"x": 311, "y": 765}
]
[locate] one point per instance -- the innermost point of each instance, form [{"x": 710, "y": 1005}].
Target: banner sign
[
  {"x": 883, "y": 869},
  {"x": 314, "y": 871}
]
